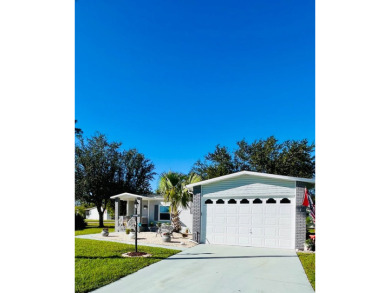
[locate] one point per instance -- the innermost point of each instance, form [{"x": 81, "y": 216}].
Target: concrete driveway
[{"x": 219, "y": 268}]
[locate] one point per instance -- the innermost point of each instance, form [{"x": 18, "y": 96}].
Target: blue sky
[{"x": 175, "y": 78}]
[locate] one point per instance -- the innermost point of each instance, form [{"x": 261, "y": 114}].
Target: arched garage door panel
[{"x": 250, "y": 224}]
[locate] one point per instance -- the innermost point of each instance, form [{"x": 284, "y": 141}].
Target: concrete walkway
[
  {"x": 90, "y": 236},
  {"x": 219, "y": 269}
]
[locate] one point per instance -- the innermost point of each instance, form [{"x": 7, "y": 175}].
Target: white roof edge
[
  {"x": 233, "y": 175},
  {"x": 129, "y": 195},
  {"x": 126, "y": 194}
]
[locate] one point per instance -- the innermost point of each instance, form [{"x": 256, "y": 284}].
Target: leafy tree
[
  {"x": 81, "y": 209},
  {"x": 172, "y": 186},
  {"x": 218, "y": 163},
  {"x": 291, "y": 158},
  {"x": 260, "y": 156},
  {"x": 102, "y": 171},
  {"x": 296, "y": 159},
  {"x": 77, "y": 131},
  {"x": 135, "y": 173}
]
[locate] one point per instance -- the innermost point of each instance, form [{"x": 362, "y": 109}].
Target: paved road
[{"x": 219, "y": 269}]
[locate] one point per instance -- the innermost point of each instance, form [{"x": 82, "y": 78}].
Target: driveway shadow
[
  {"x": 197, "y": 253},
  {"x": 227, "y": 257},
  {"x": 177, "y": 257}
]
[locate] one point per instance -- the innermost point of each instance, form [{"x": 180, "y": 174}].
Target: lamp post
[{"x": 136, "y": 223}]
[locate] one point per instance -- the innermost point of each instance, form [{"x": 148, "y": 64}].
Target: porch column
[
  {"x": 117, "y": 214},
  {"x": 128, "y": 210},
  {"x": 140, "y": 209}
]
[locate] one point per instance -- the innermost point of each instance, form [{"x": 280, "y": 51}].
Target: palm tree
[{"x": 172, "y": 187}]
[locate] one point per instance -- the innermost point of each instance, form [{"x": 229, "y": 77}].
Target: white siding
[
  {"x": 185, "y": 215},
  {"x": 186, "y": 219},
  {"x": 249, "y": 186},
  {"x": 152, "y": 203},
  {"x": 151, "y": 209},
  {"x": 94, "y": 215}
]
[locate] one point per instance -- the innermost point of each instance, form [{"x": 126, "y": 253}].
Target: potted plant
[
  {"x": 185, "y": 233},
  {"x": 166, "y": 237},
  {"x": 152, "y": 227},
  {"x": 105, "y": 232},
  {"x": 127, "y": 231},
  {"x": 132, "y": 233}
]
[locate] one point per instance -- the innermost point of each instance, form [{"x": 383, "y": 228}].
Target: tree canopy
[
  {"x": 290, "y": 158},
  {"x": 102, "y": 170},
  {"x": 77, "y": 130}
]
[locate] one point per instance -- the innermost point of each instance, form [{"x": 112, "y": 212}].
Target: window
[
  {"x": 88, "y": 213},
  {"x": 244, "y": 201},
  {"x": 209, "y": 201},
  {"x": 285, "y": 200},
  {"x": 232, "y": 201},
  {"x": 220, "y": 201},
  {"x": 271, "y": 200},
  {"x": 257, "y": 200},
  {"x": 122, "y": 208},
  {"x": 165, "y": 213}
]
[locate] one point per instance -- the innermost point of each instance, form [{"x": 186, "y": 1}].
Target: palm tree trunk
[{"x": 176, "y": 222}]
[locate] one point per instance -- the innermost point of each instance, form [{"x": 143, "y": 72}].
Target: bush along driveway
[{"x": 99, "y": 263}]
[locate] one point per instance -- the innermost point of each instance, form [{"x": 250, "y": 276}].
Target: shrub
[
  {"x": 127, "y": 231},
  {"x": 80, "y": 210},
  {"x": 80, "y": 222},
  {"x": 310, "y": 244}
]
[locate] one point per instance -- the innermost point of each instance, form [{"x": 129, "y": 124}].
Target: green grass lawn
[
  {"x": 97, "y": 221},
  {"x": 99, "y": 263},
  {"x": 92, "y": 227},
  {"x": 308, "y": 263}
]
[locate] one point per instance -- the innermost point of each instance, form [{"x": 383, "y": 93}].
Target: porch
[{"x": 151, "y": 208}]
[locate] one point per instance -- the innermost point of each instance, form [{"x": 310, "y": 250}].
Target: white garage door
[{"x": 261, "y": 222}]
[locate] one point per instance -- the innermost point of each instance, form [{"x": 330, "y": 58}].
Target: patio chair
[
  {"x": 158, "y": 231},
  {"x": 120, "y": 223},
  {"x": 131, "y": 223},
  {"x": 165, "y": 228}
]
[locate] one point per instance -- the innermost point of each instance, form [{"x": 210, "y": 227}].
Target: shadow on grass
[
  {"x": 222, "y": 257},
  {"x": 197, "y": 253},
  {"x": 99, "y": 257}
]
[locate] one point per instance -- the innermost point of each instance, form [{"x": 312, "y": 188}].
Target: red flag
[{"x": 305, "y": 199}]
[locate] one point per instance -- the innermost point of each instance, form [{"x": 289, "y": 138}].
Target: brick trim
[
  {"x": 196, "y": 216},
  {"x": 300, "y": 218}
]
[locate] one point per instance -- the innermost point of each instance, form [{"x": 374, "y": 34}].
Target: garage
[
  {"x": 260, "y": 222},
  {"x": 250, "y": 209}
]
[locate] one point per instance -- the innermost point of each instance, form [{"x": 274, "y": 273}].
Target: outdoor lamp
[
  {"x": 145, "y": 207},
  {"x": 136, "y": 204}
]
